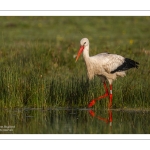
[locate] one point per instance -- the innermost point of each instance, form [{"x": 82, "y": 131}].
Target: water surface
[{"x": 74, "y": 121}]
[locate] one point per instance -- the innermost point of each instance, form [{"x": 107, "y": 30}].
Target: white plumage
[
  {"x": 102, "y": 65},
  {"x": 106, "y": 66}
]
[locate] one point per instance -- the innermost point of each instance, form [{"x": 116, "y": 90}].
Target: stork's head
[{"x": 83, "y": 43}]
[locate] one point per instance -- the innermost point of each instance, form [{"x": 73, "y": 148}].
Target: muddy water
[{"x": 74, "y": 121}]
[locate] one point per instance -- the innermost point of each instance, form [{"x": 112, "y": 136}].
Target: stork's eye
[{"x": 84, "y": 43}]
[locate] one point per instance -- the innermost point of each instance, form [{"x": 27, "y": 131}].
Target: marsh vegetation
[{"x": 38, "y": 69}]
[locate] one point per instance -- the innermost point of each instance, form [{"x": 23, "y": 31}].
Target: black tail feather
[{"x": 128, "y": 63}]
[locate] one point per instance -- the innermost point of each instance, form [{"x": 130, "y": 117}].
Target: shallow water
[{"x": 74, "y": 121}]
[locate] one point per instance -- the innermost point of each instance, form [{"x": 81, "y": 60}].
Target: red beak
[{"x": 79, "y": 52}]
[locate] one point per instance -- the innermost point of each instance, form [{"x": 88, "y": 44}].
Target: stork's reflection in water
[{"x": 108, "y": 119}]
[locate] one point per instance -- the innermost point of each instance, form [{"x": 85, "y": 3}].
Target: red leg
[
  {"x": 110, "y": 97},
  {"x": 105, "y": 87},
  {"x": 92, "y": 102}
]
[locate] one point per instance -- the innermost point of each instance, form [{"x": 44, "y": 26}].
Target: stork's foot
[{"x": 92, "y": 102}]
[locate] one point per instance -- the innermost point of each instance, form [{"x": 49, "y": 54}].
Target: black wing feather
[{"x": 127, "y": 64}]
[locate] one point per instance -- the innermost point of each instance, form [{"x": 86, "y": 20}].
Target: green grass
[{"x": 38, "y": 69}]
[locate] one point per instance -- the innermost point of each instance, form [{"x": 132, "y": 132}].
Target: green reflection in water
[{"x": 74, "y": 121}]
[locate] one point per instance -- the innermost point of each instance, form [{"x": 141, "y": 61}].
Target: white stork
[{"x": 106, "y": 66}]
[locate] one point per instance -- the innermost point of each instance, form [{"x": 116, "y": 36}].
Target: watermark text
[{"x": 6, "y": 128}]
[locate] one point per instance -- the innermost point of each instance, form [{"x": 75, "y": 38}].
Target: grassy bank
[{"x": 38, "y": 68}]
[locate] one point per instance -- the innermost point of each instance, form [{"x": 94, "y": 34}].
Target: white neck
[
  {"x": 88, "y": 62},
  {"x": 86, "y": 53}
]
